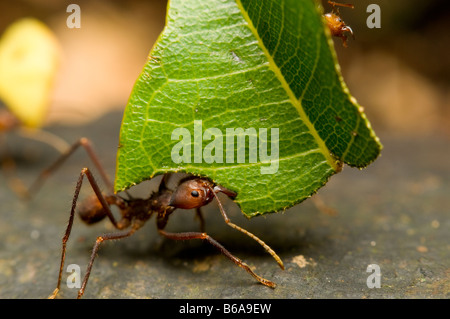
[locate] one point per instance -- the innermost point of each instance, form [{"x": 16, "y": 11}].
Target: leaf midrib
[{"x": 294, "y": 100}]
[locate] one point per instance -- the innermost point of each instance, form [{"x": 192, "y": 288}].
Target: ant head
[
  {"x": 194, "y": 192},
  {"x": 334, "y": 21}
]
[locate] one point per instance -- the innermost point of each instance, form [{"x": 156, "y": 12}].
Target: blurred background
[
  {"x": 398, "y": 72},
  {"x": 394, "y": 213},
  {"x": 102, "y": 59}
]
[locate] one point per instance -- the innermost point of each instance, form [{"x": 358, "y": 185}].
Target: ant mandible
[
  {"x": 191, "y": 192},
  {"x": 337, "y": 26}
]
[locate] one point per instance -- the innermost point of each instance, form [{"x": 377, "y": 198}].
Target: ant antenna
[
  {"x": 242, "y": 230},
  {"x": 337, "y": 4}
]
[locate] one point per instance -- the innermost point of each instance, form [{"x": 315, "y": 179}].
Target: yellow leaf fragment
[{"x": 29, "y": 60}]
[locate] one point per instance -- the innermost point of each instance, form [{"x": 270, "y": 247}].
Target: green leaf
[{"x": 250, "y": 64}]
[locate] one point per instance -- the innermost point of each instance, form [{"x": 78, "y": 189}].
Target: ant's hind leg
[
  {"x": 223, "y": 250},
  {"x": 107, "y": 210},
  {"x": 87, "y": 145}
]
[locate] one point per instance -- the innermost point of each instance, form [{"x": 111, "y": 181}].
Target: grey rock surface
[{"x": 393, "y": 214}]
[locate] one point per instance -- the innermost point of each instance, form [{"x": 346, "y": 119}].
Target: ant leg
[
  {"x": 223, "y": 250},
  {"x": 100, "y": 240},
  {"x": 347, "y": 5},
  {"x": 199, "y": 215},
  {"x": 44, "y": 137},
  {"x": 164, "y": 181},
  {"x": 105, "y": 205},
  {"x": 246, "y": 232},
  {"x": 86, "y": 144}
]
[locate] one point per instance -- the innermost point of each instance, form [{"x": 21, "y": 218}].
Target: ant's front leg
[
  {"x": 223, "y": 250},
  {"x": 106, "y": 210}
]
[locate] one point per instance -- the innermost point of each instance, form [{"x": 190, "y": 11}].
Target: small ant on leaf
[
  {"x": 337, "y": 26},
  {"x": 191, "y": 192}
]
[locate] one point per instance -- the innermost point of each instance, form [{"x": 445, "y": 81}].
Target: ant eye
[{"x": 194, "y": 193}]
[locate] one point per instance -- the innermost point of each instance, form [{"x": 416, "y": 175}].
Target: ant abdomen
[{"x": 91, "y": 210}]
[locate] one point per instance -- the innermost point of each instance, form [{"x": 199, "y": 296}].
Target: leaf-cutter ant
[
  {"x": 337, "y": 26},
  {"x": 191, "y": 192}
]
